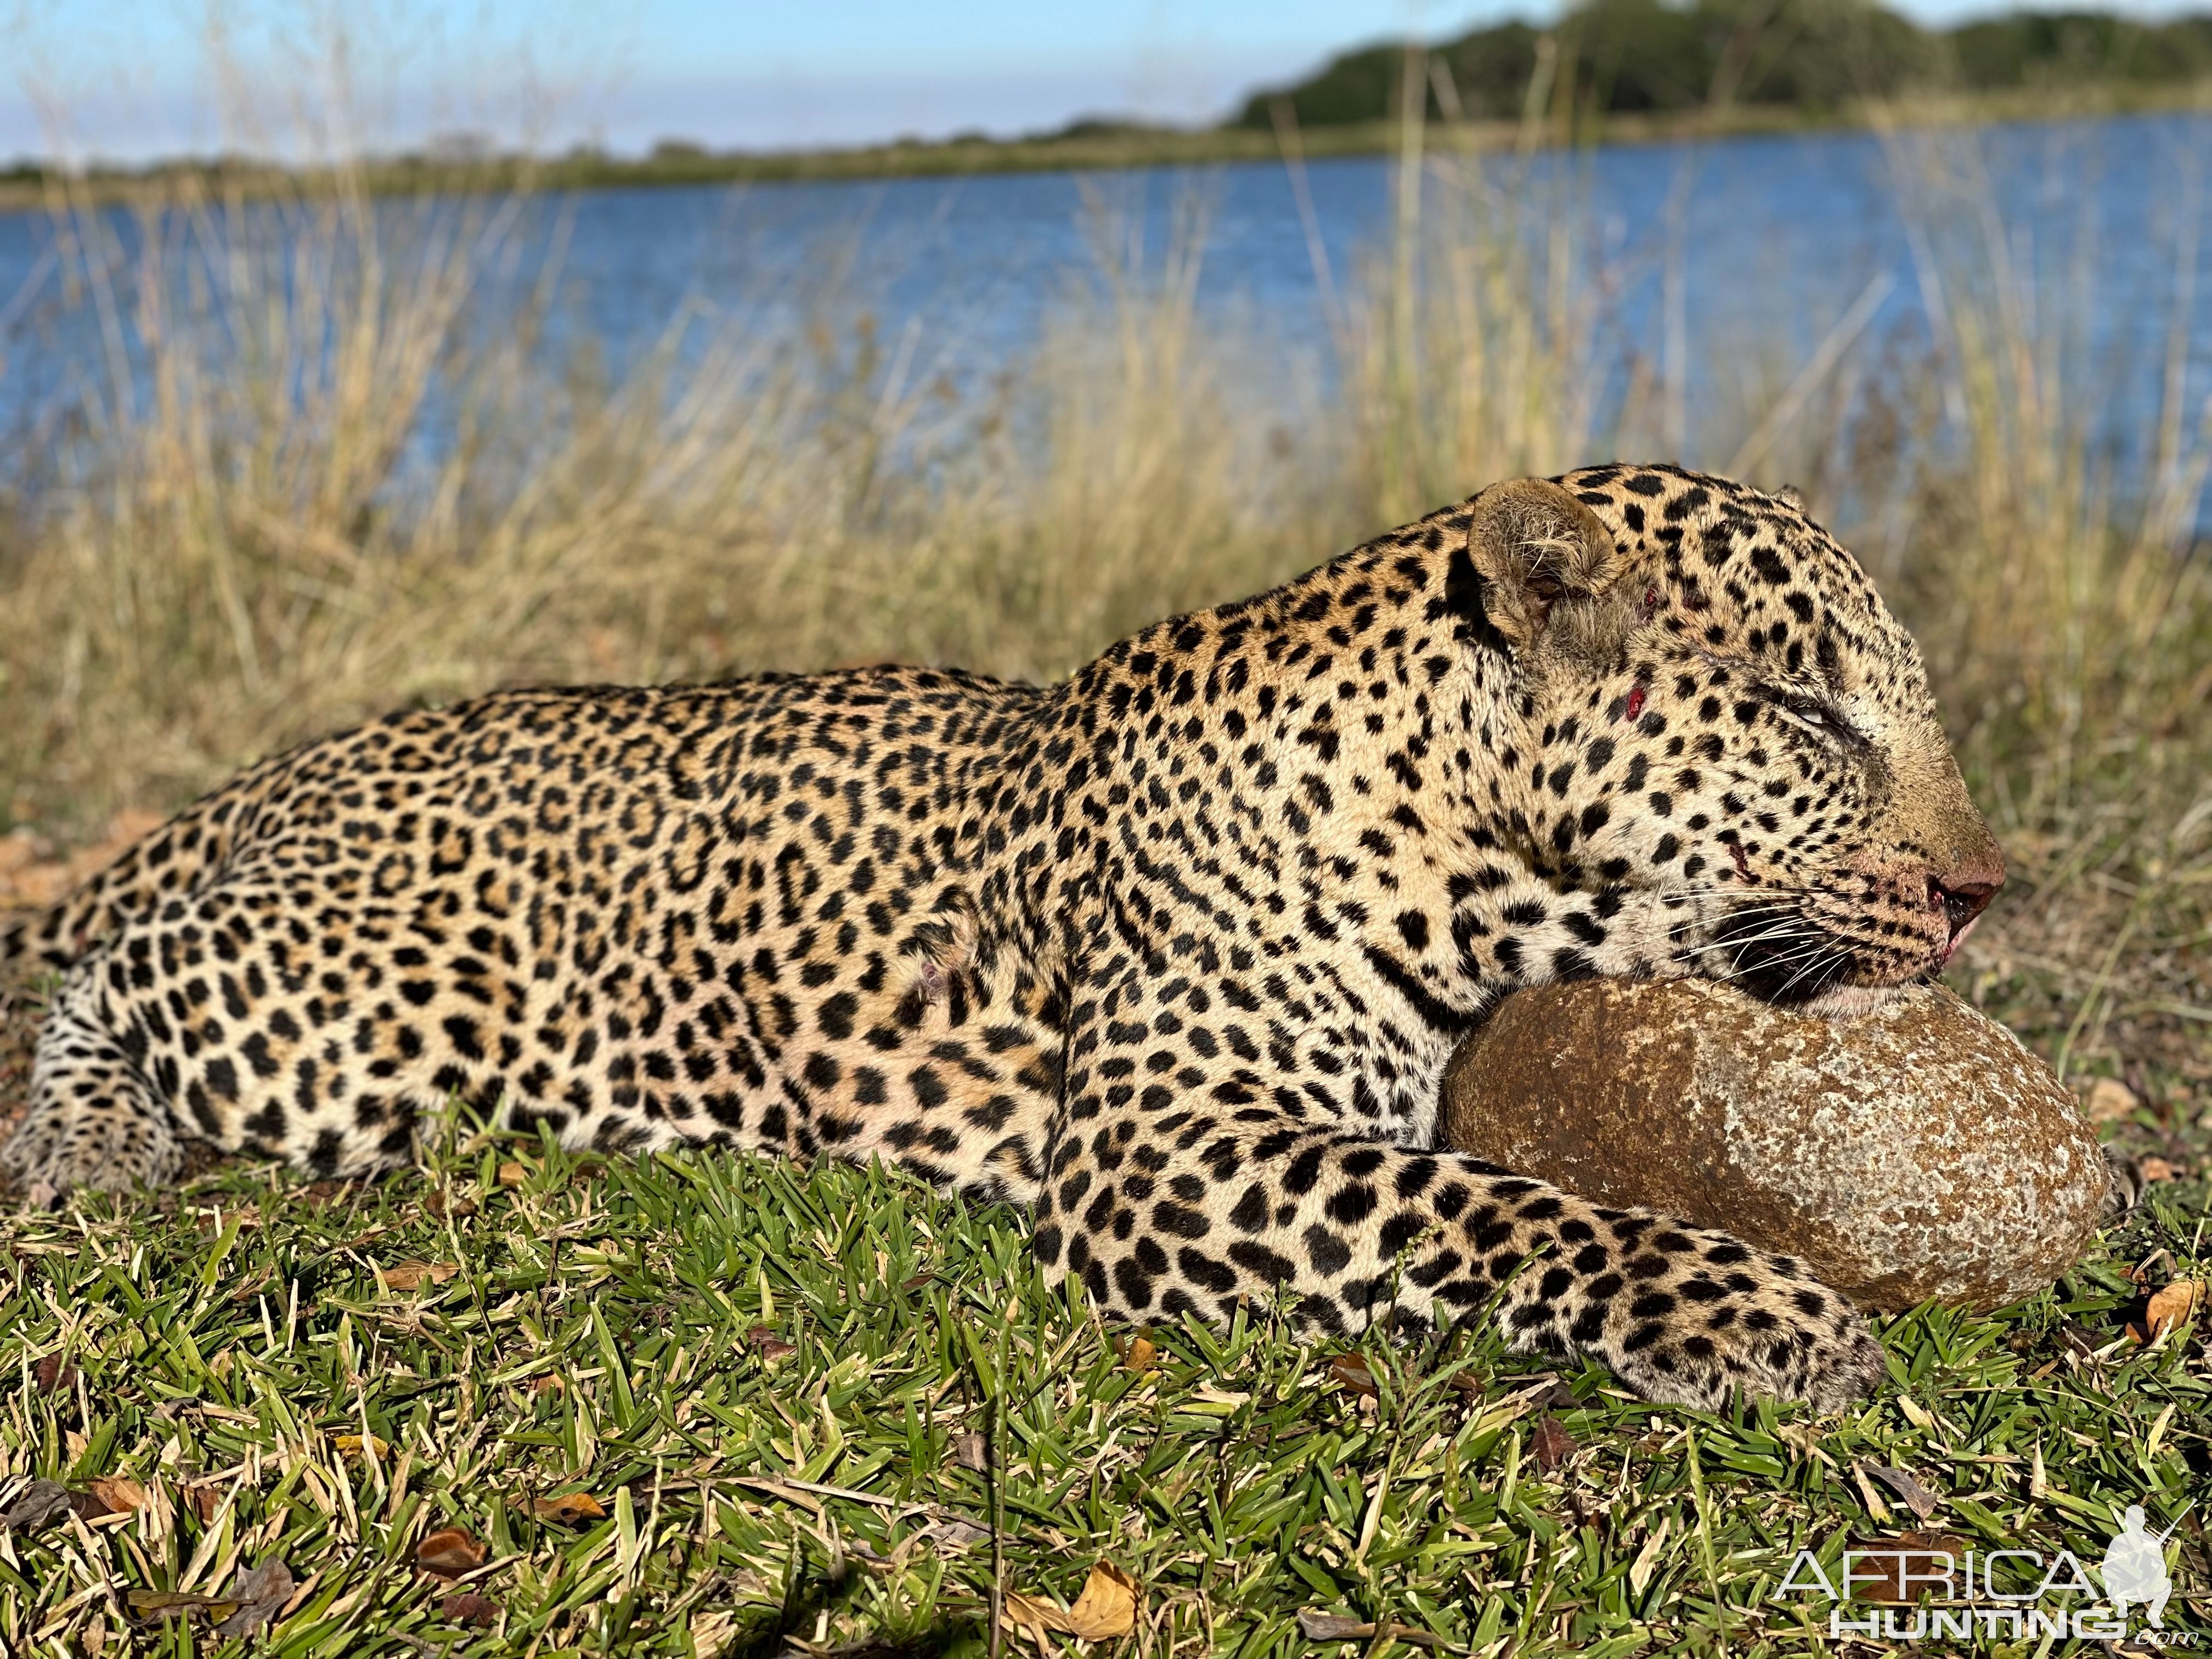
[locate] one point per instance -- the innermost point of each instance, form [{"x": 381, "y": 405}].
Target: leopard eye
[{"x": 1821, "y": 718}]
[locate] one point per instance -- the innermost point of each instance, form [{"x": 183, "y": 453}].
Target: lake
[{"x": 1774, "y": 241}]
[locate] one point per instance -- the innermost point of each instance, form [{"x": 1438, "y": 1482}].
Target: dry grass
[{"x": 254, "y": 538}]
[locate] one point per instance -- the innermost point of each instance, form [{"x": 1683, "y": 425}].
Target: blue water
[{"x": 1773, "y": 239}]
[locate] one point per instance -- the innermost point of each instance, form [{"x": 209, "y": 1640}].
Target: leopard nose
[
  {"x": 1962, "y": 897},
  {"x": 1961, "y": 904}
]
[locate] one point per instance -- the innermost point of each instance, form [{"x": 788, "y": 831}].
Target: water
[{"x": 1774, "y": 240}]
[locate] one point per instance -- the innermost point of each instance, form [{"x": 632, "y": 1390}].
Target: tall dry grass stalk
[{"x": 324, "y": 462}]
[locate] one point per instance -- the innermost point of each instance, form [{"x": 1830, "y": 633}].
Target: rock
[{"x": 1916, "y": 1151}]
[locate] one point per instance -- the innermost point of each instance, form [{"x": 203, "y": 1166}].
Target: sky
[{"x": 127, "y": 80}]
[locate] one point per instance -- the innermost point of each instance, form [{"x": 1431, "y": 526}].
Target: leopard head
[{"x": 1707, "y": 708}]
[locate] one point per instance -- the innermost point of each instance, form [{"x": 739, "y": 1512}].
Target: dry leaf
[
  {"x": 589, "y": 1169},
  {"x": 450, "y": 1551},
  {"x": 350, "y": 1445},
  {"x": 164, "y": 1604},
  {"x": 512, "y": 1175},
  {"x": 2159, "y": 1169},
  {"x": 261, "y": 1593},
  {"x": 2179, "y": 1302},
  {"x": 467, "y": 1607},
  {"x": 205, "y": 1501},
  {"x": 411, "y": 1275},
  {"x": 35, "y": 1505},
  {"x": 969, "y": 1451},
  {"x": 1108, "y": 1607},
  {"x": 54, "y": 1374},
  {"x": 771, "y": 1348},
  {"x": 2108, "y": 1101},
  {"x": 548, "y": 1384},
  {"x": 568, "y": 1509},
  {"x": 1890, "y": 1563},
  {"x": 1350, "y": 1372},
  {"x": 119, "y": 1493},
  {"x": 1552, "y": 1444},
  {"x": 442, "y": 1204},
  {"x": 1138, "y": 1353},
  {"x": 955, "y": 1535},
  {"x": 1917, "y": 1498},
  {"x": 2145, "y": 1271},
  {"x": 1334, "y": 1627},
  {"x": 916, "y": 1282}
]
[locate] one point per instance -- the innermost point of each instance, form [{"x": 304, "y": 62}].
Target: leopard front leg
[{"x": 1175, "y": 1185}]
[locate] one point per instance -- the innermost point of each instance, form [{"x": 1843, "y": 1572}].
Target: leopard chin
[{"x": 1848, "y": 1002}]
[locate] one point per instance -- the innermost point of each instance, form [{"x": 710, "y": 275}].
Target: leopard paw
[
  {"x": 1687, "y": 1316},
  {"x": 58, "y": 1148}
]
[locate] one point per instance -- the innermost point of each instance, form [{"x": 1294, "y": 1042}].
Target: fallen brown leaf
[
  {"x": 441, "y": 1203},
  {"x": 1350, "y": 1372},
  {"x": 512, "y": 1175},
  {"x": 2179, "y": 1302},
  {"x": 167, "y": 1604},
  {"x": 35, "y": 1505},
  {"x": 1108, "y": 1605},
  {"x": 970, "y": 1452},
  {"x": 548, "y": 1384},
  {"x": 412, "y": 1275},
  {"x": 467, "y": 1607},
  {"x": 2154, "y": 1168},
  {"x": 568, "y": 1509},
  {"x": 205, "y": 1501},
  {"x": 956, "y": 1534},
  {"x": 450, "y": 1551},
  {"x": 1550, "y": 1444},
  {"x": 1107, "y": 1608},
  {"x": 770, "y": 1346},
  {"x": 1891, "y": 1566},
  {"x": 2107, "y": 1100},
  {"x": 54, "y": 1374},
  {"x": 261, "y": 1593},
  {"x": 2145, "y": 1272},
  {"x": 351, "y": 1445},
  {"x": 118, "y": 1493},
  {"x": 1917, "y": 1498},
  {"x": 1138, "y": 1354}
]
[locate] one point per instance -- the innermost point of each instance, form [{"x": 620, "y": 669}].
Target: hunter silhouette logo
[{"x": 2134, "y": 1568}]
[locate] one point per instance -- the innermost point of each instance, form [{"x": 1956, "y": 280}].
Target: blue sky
[{"x": 130, "y": 78}]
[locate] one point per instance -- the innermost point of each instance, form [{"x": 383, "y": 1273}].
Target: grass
[
  {"x": 763, "y": 1375},
  {"x": 234, "y": 535}
]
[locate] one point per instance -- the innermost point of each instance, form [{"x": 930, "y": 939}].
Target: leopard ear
[{"x": 1534, "y": 544}]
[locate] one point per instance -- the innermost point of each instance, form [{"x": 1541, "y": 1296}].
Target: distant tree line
[{"x": 1649, "y": 55}]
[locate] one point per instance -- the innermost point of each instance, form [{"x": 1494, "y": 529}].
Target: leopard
[{"x": 1171, "y": 953}]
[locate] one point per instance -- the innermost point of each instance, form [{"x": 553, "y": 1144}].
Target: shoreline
[{"x": 1112, "y": 150}]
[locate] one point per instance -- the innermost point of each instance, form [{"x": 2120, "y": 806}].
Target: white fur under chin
[{"x": 1855, "y": 1001}]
